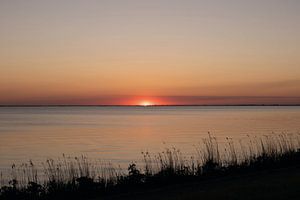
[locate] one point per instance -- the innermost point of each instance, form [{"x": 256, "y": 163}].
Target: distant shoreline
[{"x": 175, "y": 105}]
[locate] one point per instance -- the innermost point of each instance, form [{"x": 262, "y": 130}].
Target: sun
[{"x": 146, "y": 103}]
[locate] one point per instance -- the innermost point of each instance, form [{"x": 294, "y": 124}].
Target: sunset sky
[{"x": 160, "y": 51}]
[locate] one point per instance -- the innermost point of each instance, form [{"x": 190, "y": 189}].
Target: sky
[{"x": 127, "y": 52}]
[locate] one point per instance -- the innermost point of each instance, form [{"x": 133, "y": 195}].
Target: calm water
[{"x": 119, "y": 134}]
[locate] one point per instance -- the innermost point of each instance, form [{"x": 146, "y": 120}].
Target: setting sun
[{"x": 146, "y": 103}]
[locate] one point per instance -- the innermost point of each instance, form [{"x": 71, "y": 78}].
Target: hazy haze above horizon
[{"x": 163, "y": 51}]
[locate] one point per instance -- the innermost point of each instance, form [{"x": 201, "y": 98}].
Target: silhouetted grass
[{"x": 80, "y": 178}]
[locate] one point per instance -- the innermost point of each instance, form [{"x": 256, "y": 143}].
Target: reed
[{"x": 80, "y": 177}]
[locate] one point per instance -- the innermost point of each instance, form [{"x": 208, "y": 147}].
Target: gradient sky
[{"x": 163, "y": 51}]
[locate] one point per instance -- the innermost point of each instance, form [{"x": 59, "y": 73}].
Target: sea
[{"x": 119, "y": 134}]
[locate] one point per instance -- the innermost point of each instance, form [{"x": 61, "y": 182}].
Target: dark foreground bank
[
  {"x": 273, "y": 184},
  {"x": 265, "y": 168}
]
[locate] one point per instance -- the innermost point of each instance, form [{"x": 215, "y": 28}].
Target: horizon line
[{"x": 137, "y": 105}]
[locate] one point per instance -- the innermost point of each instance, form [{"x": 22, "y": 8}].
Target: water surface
[{"x": 119, "y": 134}]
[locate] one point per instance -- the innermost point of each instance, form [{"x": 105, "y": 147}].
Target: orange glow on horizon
[
  {"x": 117, "y": 53},
  {"x": 146, "y": 103}
]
